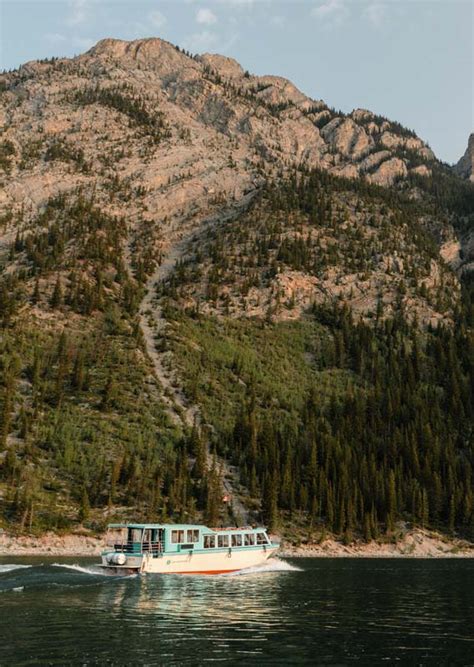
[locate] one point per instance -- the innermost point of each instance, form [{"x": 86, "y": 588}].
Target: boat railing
[
  {"x": 153, "y": 547},
  {"x": 138, "y": 547}
]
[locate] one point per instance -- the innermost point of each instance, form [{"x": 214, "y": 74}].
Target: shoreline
[{"x": 416, "y": 543}]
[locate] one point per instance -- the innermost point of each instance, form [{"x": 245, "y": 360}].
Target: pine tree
[
  {"x": 198, "y": 448},
  {"x": 79, "y": 373},
  {"x": 6, "y": 410},
  {"x": 109, "y": 394},
  {"x": 36, "y": 292},
  {"x": 214, "y": 495},
  {"x": 85, "y": 507},
  {"x": 452, "y": 515},
  {"x": 270, "y": 498},
  {"x": 57, "y": 296}
]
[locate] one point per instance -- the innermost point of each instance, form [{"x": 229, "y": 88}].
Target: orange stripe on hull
[{"x": 205, "y": 571}]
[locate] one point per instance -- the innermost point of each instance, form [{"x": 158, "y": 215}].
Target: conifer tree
[
  {"x": 57, "y": 295},
  {"x": 85, "y": 507}
]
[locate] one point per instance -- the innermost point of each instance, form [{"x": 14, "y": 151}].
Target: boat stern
[{"x": 119, "y": 562}]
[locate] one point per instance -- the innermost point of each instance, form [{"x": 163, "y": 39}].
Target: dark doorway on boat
[{"x": 153, "y": 541}]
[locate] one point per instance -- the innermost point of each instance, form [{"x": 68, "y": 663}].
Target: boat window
[
  {"x": 177, "y": 536},
  {"x": 209, "y": 541},
  {"x": 236, "y": 540},
  {"x": 222, "y": 540},
  {"x": 147, "y": 535},
  {"x": 249, "y": 539},
  {"x": 262, "y": 538},
  {"x": 135, "y": 535},
  {"x": 193, "y": 535}
]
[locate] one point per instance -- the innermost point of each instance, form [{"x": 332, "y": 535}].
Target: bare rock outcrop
[
  {"x": 465, "y": 166},
  {"x": 228, "y": 68},
  {"x": 347, "y": 138},
  {"x": 389, "y": 171}
]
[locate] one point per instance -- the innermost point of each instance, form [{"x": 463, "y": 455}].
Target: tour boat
[{"x": 185, "y": 549}]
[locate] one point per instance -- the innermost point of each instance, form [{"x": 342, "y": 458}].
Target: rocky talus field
[{"x": 222, "y": 300}]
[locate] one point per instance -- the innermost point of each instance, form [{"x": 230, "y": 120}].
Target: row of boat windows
[
  {"x": 191, "y": 536},
  {"x": 211, "y": 541},
  {"x": 184, "y": 536},
  {"x": 246, "y": 540}
]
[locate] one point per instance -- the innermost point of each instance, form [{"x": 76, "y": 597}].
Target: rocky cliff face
[
  {"x": 182, "y": 135},
  {"x": 223, "y": 126},
  {"x": 465, "y": 166},
  {"x": 180, "y": 138}
]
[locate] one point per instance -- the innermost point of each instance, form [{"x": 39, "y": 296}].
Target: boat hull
[{"x": 218, "y": 562}]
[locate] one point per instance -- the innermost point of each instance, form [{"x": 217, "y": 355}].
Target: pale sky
[{"x": 409, "y": 60}]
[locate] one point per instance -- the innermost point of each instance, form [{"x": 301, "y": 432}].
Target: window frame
[
  {"x": 236, "y": 540},
  {"x": 223, "y": 538},
  {"x": 209, "y": 538},
  {"x": 192, "y": 535},
  {"x": 135, "y": 535},
  {"x": 179, "y": 534}
]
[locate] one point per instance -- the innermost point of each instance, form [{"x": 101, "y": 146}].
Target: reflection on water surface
[{"x": 312, "y": 611}]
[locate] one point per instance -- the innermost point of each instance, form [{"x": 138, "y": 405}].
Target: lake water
[{"x": 298, "y": 612}]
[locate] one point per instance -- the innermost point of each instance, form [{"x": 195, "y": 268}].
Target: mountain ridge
[{"x": 175, "y": 231}]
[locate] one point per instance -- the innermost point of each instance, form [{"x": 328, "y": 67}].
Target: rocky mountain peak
[
  {"x": 227, "y": 67},
  {"x": 152, "y": 54},
  {"x": 212, "y": 101},
  {"x": 362, "y": 114},
  {"x": 465, "y": 166},
  {"x": 120, "y": 48}
]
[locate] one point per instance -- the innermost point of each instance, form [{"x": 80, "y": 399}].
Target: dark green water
[{"x": 326, "y": 612}]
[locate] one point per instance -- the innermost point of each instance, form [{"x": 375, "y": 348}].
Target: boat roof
[{"x": 181, "y": 526}]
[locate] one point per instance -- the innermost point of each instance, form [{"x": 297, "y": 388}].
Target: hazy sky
[{"x": 410, "y": 60}]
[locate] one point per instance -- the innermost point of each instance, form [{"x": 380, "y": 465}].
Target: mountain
[
  {"x": 465, "y": 165},
  {"x": 212, "y": 283}
]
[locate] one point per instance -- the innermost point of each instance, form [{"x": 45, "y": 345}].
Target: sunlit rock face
[
  {"x": 182, "y": 136},
  {"x": 225, "y": 128},
  {"x": 465, "y": 166}
]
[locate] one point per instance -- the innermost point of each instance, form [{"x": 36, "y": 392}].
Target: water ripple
[{"x": 305, "y": 612}]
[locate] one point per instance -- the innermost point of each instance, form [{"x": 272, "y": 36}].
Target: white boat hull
[{"x": 216, "y": 562}]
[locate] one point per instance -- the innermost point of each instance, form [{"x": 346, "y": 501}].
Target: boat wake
[
  {"x": 94, "y": 571},
  {"x": 272, "y": 565},
  {"x": 9, "y": 567},
  {"x": 15, "y": 578}
]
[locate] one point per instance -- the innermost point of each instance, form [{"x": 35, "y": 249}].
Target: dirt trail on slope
[{"x": 153, "y": 325}]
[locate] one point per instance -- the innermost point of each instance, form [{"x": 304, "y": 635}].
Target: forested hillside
[
  {"x": 347, "y": 421},
  {"x": 83, "y": 424},
  {"x": 213, "y": 285}
]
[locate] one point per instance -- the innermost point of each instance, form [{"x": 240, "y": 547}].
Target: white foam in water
[
  {"x": 79, "y": 568},
  {"x": 272, "y": 565},
  {"x": 94, "y": 571},
  {"x": 9, "y": 567}
]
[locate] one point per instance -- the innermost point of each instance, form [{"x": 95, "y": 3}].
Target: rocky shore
[
  {"x": 413, "y": 544},
  {"x": 50, "y": 544}
]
